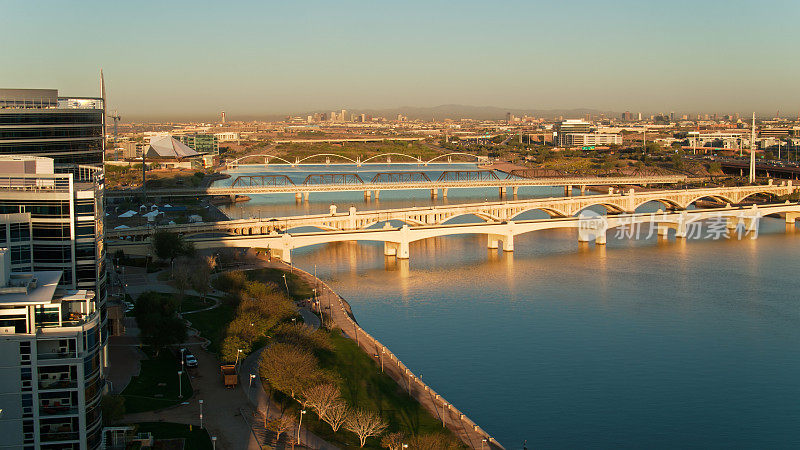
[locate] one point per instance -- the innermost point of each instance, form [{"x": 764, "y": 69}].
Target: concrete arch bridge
[
  {"x": 555, "y": 207},
  {"x": 499, "y": 234}
]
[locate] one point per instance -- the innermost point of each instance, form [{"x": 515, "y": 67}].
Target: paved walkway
[
  {"x": 234, "y": 416},
  {"x": 339, "y": 311},
  {"x": 124, "y": 356}
]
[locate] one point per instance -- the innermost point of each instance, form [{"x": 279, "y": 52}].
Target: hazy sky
[{"x": 195, "y": 58}]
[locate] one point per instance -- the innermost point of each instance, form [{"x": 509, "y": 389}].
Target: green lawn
[
  {"x": 364, "y": 385},
  {"x": 156, "y": 386},
  {"x": 298, "y": 289},
  {"x": 212, "y": 323},
  {"x": 196, "y": 438}
]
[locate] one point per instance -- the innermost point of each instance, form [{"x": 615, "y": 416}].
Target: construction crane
[{"x": 116, "y": 118}]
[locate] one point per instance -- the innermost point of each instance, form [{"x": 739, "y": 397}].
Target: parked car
[{"x": 189, "y": 359}]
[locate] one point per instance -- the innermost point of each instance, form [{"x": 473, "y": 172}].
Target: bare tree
[
  {"x": 336, "y": 415},
  {"x": 280, "y": 425},
  {"x": 434, "y": 441},
  {"x": 288, "y": 368},
  {"x": 393, "y": 441},
  {"x": 365, "y": 424},
  {"x": 201, "y": 276},
  {"x": 321, "y": 397},
  {"x": 182, "y": 277}
]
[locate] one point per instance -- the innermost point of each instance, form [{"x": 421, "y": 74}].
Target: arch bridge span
[
  {"x": 499, "y": 234},
  {"x": 555, "y": 207}
]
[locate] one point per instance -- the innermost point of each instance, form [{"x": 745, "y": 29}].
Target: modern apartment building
[
  {"x": 51, "y": 375},
  {"x": 201, "y": 143},
  {"x": 37, "y": 122},
  {"x": 588, "y": 139}
]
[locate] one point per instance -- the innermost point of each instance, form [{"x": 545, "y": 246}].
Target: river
[{"x": 639, "y": 343}]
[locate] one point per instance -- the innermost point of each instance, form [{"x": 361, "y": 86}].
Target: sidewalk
[{"x": 339, "y": 311}]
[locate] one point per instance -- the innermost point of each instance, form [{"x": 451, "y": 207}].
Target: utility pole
[{"x": 753, "y": 150}]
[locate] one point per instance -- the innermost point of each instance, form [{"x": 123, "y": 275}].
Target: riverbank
[{"x": 338, "y": 314}]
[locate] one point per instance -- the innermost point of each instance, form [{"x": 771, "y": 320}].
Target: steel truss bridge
[{"x": 277, "y": 184}]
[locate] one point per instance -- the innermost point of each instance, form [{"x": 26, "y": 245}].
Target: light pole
[
  {"x": 483, "y": 443},
  {"x": 180, "y": 384},
  {"x": 238, "y": 352},
  {"x": 214, "y": 442},
  {"x": 286, "y": 283},
  {"x": 299, "y": 424},
  {"x": 252, "y": 375},
  {"x": 182, "y": 360},
  {"x": 201, "y": 413}
]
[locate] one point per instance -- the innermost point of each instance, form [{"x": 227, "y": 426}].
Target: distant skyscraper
[
  {"x": 343, "y": 116},
  {"x": 640, "y": 117},
  {"x": 223, "y": 117}
]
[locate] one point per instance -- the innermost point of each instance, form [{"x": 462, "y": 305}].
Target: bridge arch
[
  {"x": 413, "y": 158},
  {"x": 263, "y": 155},
  {"x": 477, "y": 159},
  {"x": 772, "y": 195},
  {"x": 666, "y": 203},
  {"x": 300, "y": 161},
  {"x": 715, "y": 197},
  {"x": 552, "y": 212},
  {"x": 609, "y": 207}
]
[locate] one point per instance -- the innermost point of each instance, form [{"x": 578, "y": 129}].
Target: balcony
[
  {"x": 58, "y": 410},
  {"x": 59, "y": 436}
]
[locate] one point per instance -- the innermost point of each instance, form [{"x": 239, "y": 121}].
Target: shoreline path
[{"x": 339, "y": 312}]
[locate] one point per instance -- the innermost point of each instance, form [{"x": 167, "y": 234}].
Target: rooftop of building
[{"x": 38, "y": 99}]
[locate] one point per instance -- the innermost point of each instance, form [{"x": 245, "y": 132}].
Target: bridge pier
[
  {"x": 377, "y": 194},
  {"x": 583, "y": 190},
  {"x": 514, "y": 190},
  {"x": 792, "y": 217},
  {"x": 306, "y": 195},
  {"x": 493, "y": 241},
  {"x": 396, "y": 249},
  {"x": 568, "y": 190},
  {"x": 502, "y": 191},
  {"x": 444, "y": 192},
  {"x": 367, "y": 195},
  {"x": 434, "y": 193},
  {"x": 298, "y": 196}
]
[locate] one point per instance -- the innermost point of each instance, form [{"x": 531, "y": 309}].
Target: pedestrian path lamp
[
  {"x": 201, "y": 413},
  {"x": 299, "y": 424},
  {"x": 180, "y": 384},
  {"x": 214, "y": 442},
  {"x": 252, "y": 375}
]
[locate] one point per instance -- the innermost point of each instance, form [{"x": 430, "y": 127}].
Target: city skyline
[{"x": 193, "y": 62}]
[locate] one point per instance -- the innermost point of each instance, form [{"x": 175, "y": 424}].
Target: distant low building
[
  {"x": 588, "y": 139},
  {"x": 228, "y": 136}
]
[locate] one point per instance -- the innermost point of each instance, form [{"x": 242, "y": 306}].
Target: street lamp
[
  {"x": 180, "y": 384},
  {"x": 182, "y": 359},
  {"x": 201, "y": 413},
  {"x": 214, "y": 442},
  {"x": 252, "y": 376},
  {"x": 299, "y": 424},
  {"x": 238, "y": 352},
  {"x": 286, "y": 283},
  {"x": 483, "y": 443}
]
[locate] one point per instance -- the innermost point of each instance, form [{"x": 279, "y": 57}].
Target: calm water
[{"x": 636, "y": 344}]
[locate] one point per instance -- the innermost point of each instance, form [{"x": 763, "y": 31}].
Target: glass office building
[{"x": 37, "y": 122}]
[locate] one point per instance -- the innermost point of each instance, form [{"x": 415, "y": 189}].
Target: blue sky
[{"x": 196, "y": 58}]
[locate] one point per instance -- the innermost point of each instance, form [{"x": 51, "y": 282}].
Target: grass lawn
[
  {"x": 156, "y": 386},
  {"x": 298, "y": 289},
  {"x": 212, "y": 323},
  {"x": 195, "y": 438},
  {"x": 364, "y": 385}
]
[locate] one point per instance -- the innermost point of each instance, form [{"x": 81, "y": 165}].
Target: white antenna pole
[{"x": 753, "y": 150}]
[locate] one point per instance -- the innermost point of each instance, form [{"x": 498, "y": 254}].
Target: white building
[
  {"x": 588, "y": 139},
  {"x": 227, "y": 136},
  {"x": 51, "y": 376}
]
